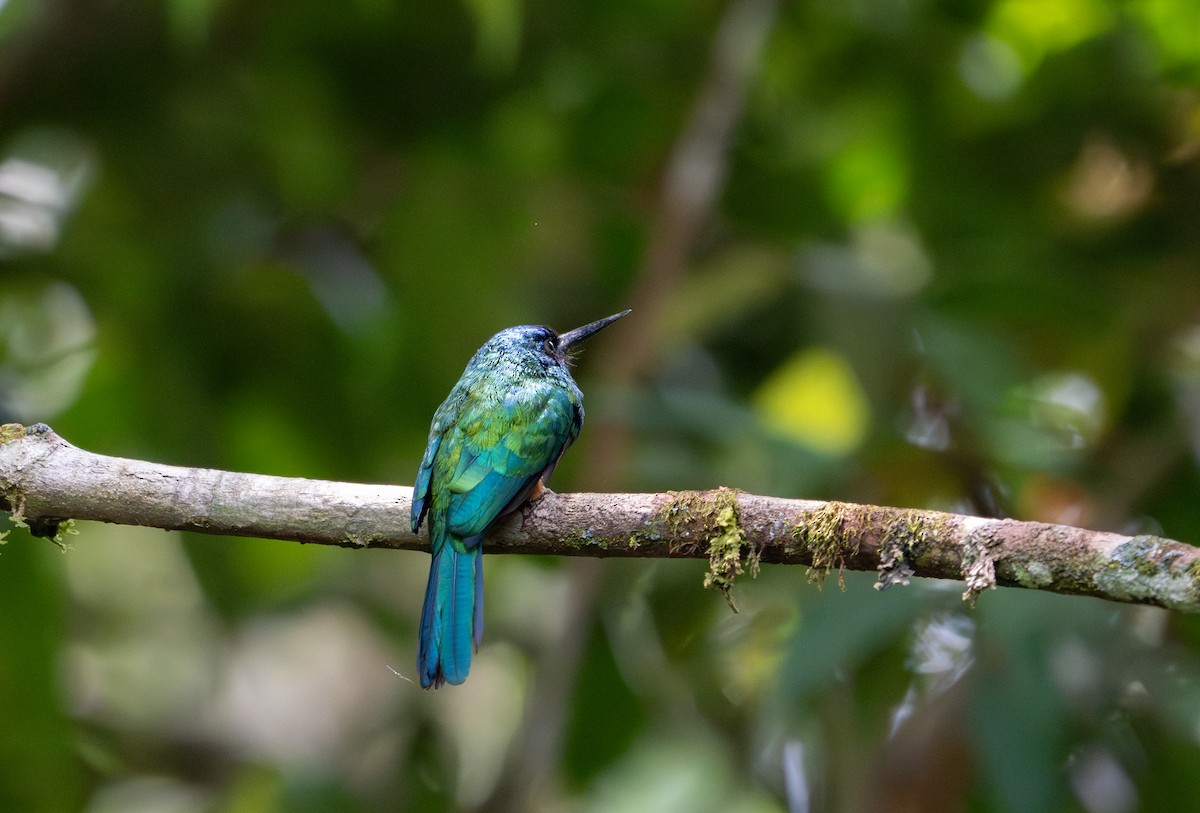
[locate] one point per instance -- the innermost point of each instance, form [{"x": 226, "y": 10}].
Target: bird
[{"x": 493, "y": 443}]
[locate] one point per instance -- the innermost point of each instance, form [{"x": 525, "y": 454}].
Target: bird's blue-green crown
[
  {"x": 528, "y": 347},
  {"x": 535, "y": 350}
]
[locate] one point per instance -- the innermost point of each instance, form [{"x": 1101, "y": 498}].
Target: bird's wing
[
  {"x": 502, "y": 453},
  {"x": 443, "y": 420},
  {"x": 420, "y": 495}
]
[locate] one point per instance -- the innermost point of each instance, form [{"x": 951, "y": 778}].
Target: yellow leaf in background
[{"x": 815, "y": 399}]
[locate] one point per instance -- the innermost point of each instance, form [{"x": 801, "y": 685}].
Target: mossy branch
[{"x": 45, "y": 482}]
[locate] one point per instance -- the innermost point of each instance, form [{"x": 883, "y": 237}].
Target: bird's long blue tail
[{"x": 452, "y": 617}]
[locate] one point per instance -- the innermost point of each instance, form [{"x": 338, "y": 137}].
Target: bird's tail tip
[{"x": 451, "y": 618}]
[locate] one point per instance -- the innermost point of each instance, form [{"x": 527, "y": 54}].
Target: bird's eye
[{"x": 548, "y": 347}]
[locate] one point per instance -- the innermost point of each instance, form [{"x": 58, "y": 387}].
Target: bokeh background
[{"x": 906, "y": 252}]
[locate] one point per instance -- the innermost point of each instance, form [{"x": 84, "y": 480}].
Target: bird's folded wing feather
[
  {"x": 420, "y": 495},
  {"x": 500, "y": 457}
]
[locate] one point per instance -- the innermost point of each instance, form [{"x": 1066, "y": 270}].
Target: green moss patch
[
  {"x": 710, "y": 519},
  {"x": 824, "y": 534}
]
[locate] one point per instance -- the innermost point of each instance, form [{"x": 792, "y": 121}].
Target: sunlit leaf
[{"x": 814, "y": 399}]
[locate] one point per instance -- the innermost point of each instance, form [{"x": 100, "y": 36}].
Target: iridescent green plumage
[{"x": 494, "y": 439}]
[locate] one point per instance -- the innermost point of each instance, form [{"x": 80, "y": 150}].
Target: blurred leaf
[
  {"x": 498, "y": 23},
  {"x": 608, "y": 724},
  {"x": 814, "y": 399},
  {"x": 839, "y": 629},
  {"x": 46, "y": 336},
  {"x": 867, "y": 180},
  {"x": 1036, "y": 29}
]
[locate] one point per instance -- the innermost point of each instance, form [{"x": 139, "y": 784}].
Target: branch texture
[{"x": 45, "y": 481}]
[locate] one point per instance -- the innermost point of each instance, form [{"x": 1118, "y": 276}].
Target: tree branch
[{"x": 44, "y": 481}]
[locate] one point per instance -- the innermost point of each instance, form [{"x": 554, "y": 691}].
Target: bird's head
[{"x": 545, "y": 343}]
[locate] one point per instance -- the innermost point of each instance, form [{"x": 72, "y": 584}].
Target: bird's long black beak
[{"x": 580, "y": 333}]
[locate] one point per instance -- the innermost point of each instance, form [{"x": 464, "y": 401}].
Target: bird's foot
[
  {"x": 539, "y": 490},
  {"x": 536, "y": 493}
]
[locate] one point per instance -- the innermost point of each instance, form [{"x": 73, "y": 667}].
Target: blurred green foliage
[{"x": 953, "y": 263}]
